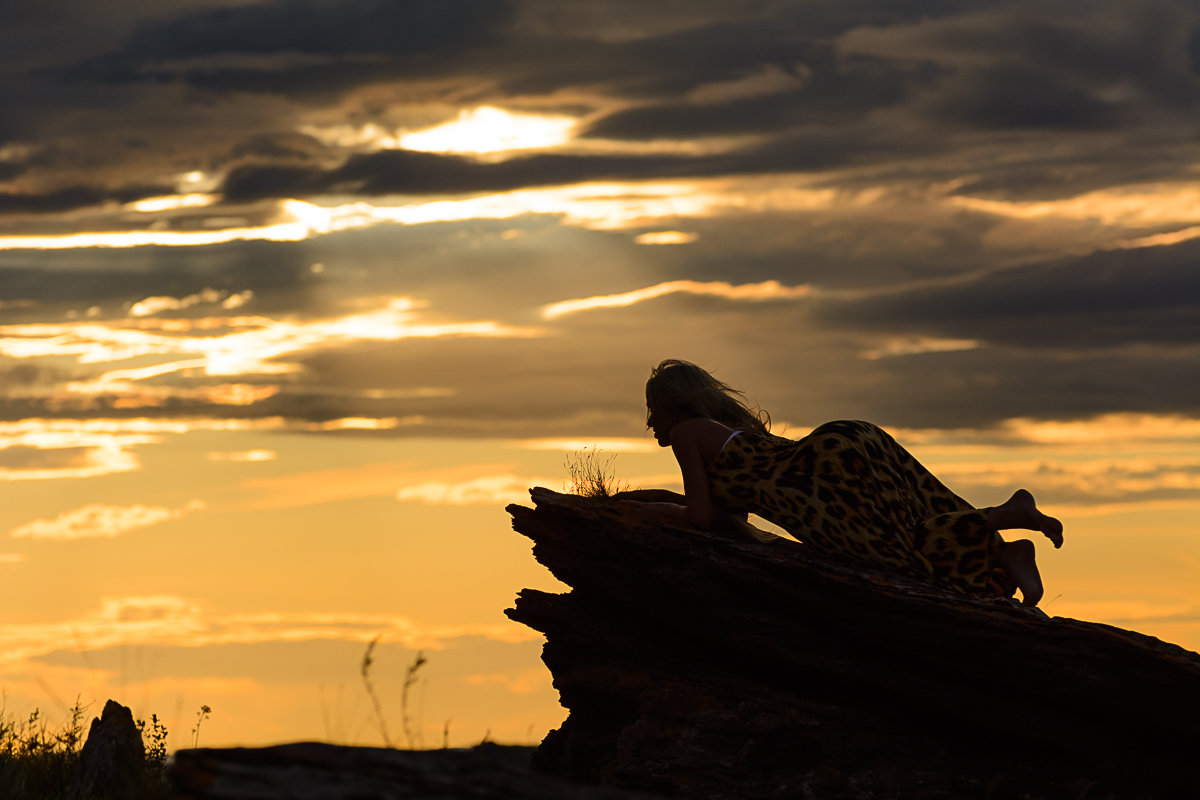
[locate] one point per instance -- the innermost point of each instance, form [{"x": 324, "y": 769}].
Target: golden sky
[{"x": 287, "y": 319}]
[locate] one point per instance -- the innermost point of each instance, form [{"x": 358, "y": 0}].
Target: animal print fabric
[{"x": 849, "y": 489}]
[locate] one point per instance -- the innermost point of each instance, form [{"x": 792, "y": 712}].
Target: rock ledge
[{"x": 706, "y": 665}]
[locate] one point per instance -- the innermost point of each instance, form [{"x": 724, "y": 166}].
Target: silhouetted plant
[
  {"x": 155, "y": 740},
  {"x": 410, "y": 680},
  {"x": 592, "y": 475},
  {"x": 412, "y": 733},
  {"x": 365, "y": 670},
  {"x": 201, "y": 715}
]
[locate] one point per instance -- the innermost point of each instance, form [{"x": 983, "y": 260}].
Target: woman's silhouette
[{"x": 847, "y": 488}]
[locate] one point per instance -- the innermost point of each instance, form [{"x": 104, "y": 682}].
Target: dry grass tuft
[{"x": 592, "y": 475}]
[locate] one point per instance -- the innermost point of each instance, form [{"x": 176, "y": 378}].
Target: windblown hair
[{"x": 682, "y": 388}]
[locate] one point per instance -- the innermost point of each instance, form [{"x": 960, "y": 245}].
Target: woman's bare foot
[
  {"x": 1021, "y": 511},
  {"x": 1019, "y": 562}
]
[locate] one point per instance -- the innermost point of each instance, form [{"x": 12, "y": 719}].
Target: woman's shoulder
[
  {"x": 706, "y": 435},
  {"x": 700, "y": 424},
  {"x": 700, "y": 430}
]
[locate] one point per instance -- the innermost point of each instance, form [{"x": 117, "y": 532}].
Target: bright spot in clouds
[
  {"x": 99, "y": 521},
  {"x": 666, "y": 237},
  {"x": 491, "y": 130},
  {"x": 916, "y": 345},
  {"x": 243, "y": 456},
  {"x": 155, "y": 305},
  {"x": 171, "y": 202}
]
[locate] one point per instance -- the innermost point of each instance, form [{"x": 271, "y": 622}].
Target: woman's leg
[
  {"x": 1021, "y": 511},
  {"x": 1018, "y": 561}
]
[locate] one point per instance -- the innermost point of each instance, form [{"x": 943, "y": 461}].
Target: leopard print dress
[{"x": 849, "y": 489}]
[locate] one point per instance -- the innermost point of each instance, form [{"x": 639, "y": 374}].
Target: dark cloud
[
  {"x": 903, "y": 102},
  {"x": 24, "y": 375},
  {"x": 985, "y": 387},
  {"x": 74, "y": 280},
  {"x": 1062, "y": 66},
  {"x": 348, "y": 27},
  {"x": 823, "y": 85},
  {"x": 411, "y": 172},
  {"x": 278, "y": 147},
  {"x": 1019, "y": 97},
  {"x": 827, "y": 95},
  {"x": 417, "y": 173},
  {"x": 1051, "y": 176},
  {"x": 1099, "y": 301},
  {"x": 10, "y": 170},
  {"x": 316, "y": 45},
  {"x": 74, "y": 197}
]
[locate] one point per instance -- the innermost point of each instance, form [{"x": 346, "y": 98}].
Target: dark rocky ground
[
  {"x": 314, "y": 771},
  {"x": 710, "y": 665}
]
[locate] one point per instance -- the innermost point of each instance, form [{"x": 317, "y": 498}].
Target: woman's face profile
[{"x": 660, "y": 423}]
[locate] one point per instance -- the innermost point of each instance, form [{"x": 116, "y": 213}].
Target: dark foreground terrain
[{"x": 711, "y": 665}]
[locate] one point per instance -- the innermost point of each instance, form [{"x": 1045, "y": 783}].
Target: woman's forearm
[{"x": 652, "y": 496}]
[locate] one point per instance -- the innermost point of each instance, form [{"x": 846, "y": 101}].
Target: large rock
[
  {"x": 706, "y": 665},
  {"x": 113, "y": 760}
]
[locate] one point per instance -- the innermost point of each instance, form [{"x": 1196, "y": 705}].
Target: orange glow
[
  {"x": 600, "y": 444},
  {"x": 1108, "y": 428},
  {"x": 325, "y": 486}
]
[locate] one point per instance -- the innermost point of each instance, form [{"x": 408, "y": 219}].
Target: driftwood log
[{"x": 711, "y": 665}]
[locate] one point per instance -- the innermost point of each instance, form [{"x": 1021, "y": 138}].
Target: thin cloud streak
[
  {"x": 100, "y": 521},
  {"x": 504, "y": 488},
  {"x": 253, "y": 347},
  {"x": 173, "y": 621},
  {"x": 746, "y": 292}
]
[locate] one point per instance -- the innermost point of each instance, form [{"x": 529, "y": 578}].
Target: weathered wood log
[{"x": 706, "y": 665}]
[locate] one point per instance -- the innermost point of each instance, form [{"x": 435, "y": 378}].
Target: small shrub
[
  {"x": 155, "y": 739},
  {"x": 592, "y": 475}
]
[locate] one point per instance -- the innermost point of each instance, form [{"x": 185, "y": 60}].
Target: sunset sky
[{"x": 297, "y": 295}]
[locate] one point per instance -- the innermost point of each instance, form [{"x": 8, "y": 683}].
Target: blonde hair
[{"x": 682, "y": 388}]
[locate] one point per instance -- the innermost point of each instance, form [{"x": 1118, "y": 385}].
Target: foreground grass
[{"x": 38, "y": 763}]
